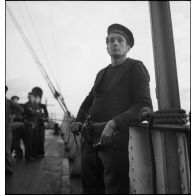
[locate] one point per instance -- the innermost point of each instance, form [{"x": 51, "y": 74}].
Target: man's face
[
  {"x": 117, "y": 45},
  {"x": 37, "y": 99},
  {"x": 31, "y": 98},
  {"x": 15, "y": 100}
]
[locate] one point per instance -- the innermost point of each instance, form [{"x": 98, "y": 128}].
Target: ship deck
[{"x": 49, "y": 175}]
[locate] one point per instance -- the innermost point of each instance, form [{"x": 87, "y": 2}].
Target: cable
[
  {"x": 40, "y": 42},
  {"x": 152, "y": 156},
  {"x": 54, "y": 45},
  {"x": 37, "y": 61}
]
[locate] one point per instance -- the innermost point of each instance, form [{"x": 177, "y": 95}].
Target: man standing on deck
[
  {"x": 41, "y": 120},
  {"x": 31, "y": 117},
  {"x": 120, "y": 91}
]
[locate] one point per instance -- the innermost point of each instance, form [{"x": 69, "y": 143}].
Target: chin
[{"x": 116, "y": 55}]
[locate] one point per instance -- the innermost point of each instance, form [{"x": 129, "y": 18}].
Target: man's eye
[
  {"x": 120, "y": 40},
  {"x": 111, "y": 40}
]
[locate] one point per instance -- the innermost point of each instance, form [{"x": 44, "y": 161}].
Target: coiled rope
[{"x": 172, "y": 116}]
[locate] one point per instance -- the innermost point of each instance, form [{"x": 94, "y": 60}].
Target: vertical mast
[{"x": 168, "y": 176}]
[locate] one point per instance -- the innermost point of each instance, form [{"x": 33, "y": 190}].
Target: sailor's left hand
[{"x": 106, "y": 137}]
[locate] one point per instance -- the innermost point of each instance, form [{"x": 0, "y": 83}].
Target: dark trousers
[
  {"x": 18, "y": 134},
  {"x": 28, "y": 137},
  {"x": 35, "y": 141},
  {"x": 105, "y": 171},
  {"x": 8, "y": 141},
  {"x": 31, "y": 140},
  {"x": 41, "y": 137}
]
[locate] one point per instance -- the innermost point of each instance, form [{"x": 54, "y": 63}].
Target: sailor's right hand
[{"x": 75, "y": 127}]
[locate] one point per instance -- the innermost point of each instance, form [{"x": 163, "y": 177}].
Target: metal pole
[
  {"x": 168, "y": 176},
  {"x": 164, "y": 55}
]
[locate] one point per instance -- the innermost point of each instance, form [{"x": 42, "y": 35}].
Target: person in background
[
  {"x": 18, "y": 131},
  {"x": 10, "y": 108},
  {"x": 41, "y": 120},
  {"x": 31, "y": 119},
  {"x": 15, "y": 99},
  {"x": 120, "y": 91}
]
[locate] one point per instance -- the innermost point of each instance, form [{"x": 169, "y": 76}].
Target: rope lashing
[
  {"x": 152, "y": 156},
  {"x": 172, "y": 116}
]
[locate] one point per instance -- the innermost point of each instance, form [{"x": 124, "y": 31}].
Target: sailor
[
  {"x": 120, "y": 91},
  {"x": 31, "y": 117},
  {"x": 11, "y": 108},
  {"x": 15, "y": 99},
  {"x": 41, "y": 121}
]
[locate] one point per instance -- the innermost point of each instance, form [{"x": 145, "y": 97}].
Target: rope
[
  {"x": 37, "y": 61},
  {"x": 54, "y": 44},
  {"x": 152, "y": 156},
  {"x": 76, "y": 161},
  {"x": 172, "y": 116},
  {"x": 40, "y": 42}
]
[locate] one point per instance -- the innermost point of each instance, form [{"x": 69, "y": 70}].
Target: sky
[{"x": 69, "y": 39}]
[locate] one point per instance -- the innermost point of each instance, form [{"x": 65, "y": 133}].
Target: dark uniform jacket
[
  {"x": 44, "y": 112},
  {"x": 32, "y": 112},
  {"x": 11, "y": 108},
  {"x": 128, "y": 92}
]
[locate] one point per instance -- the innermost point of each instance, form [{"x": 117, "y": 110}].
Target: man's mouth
[{"x": 115, "y": 50}]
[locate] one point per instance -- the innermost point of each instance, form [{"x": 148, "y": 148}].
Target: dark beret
[
  {"x": 13, "y": 97},
  {"x": 118, "y": 28},
  {"x": 37, "y": 91}
]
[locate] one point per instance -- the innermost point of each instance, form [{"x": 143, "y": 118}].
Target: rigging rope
[
  {"x": 23, "y": 18},
  {"x": 40, "y": 42},
  {"x": 54, "y": 41},
  {"x": 37, "y": 61}
]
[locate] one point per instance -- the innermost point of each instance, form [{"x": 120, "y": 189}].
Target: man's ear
[{"x": 128, "y": 48}]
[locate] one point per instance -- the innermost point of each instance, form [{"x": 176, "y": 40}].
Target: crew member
[
  {"x": 10, "y": 108},
  {"x": 120, "y": 91},
  {"x": 41, "y": 120}
]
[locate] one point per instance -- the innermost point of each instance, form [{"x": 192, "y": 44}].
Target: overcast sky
[{"x": 69, "y": 39}]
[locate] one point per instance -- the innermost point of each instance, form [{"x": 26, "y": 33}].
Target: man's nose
[{"x": 115, "y": 42}]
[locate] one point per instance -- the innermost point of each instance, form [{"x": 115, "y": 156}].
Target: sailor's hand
[
  {"x": 75, "y": 127},
  {"x": 145, "y": 113},
  {"x": 106, "y": 137}
]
